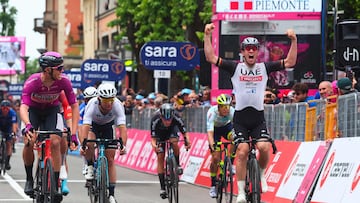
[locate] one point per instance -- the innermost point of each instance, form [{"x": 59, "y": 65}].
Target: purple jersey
[{"x": 35, "y": 94}]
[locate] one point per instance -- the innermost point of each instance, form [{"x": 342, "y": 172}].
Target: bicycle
[
  {"x": 171, "y": 171},
  {"x": 3, "y": 152},
  {"x": 97, "y": 187},
  {"x": 252, "y": 179},
  {"x": 224, "y": 179},
  {"x": 45, "y": 183}
]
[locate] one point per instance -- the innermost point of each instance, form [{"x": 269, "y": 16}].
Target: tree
[
  {"x": 32, "y": 66},
  {"x": 7, "y": 19},
  {"x": 171, "y": 20}
]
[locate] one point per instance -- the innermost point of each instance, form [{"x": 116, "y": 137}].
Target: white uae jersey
[
  {"x": 249, "y": 86},
  {"x": 93, "y": 114}
]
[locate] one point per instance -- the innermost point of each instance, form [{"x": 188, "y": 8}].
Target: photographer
[{"x": 270, "y": 96}]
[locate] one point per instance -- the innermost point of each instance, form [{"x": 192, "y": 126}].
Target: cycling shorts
[
  {"x": 45, "y": 119},
  {"x": 250, "y": 122},
  {"x": 105, "y": 131},
  {"x": 173, "y": 133},
  {"x": 223, "y": 131},
  {"x": 8, "y": 136}
]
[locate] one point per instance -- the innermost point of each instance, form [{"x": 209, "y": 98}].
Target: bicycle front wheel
[
  {"x": 175, "y": 180},
  {"x": 220, "y": 183},
  {"x": 254, "y": 173},
  {"x": 49, "y": 184},
  {"x": 102, "y": 180},
  {"x": 228, "y": 181},
  {"x": 3, "y": 157},
  {"x": 169, "y": 179}
]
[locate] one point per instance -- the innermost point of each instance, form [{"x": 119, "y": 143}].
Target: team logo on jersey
[
  {"x": 44, "y": 98},
  {"x": 250, "y": 75}
]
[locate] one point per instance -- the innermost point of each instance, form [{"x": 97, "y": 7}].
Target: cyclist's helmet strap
[
  {"x": 50, "y": 59},
  {"x": 167, "y": 111},
  {"x": 223, "y": 99}
]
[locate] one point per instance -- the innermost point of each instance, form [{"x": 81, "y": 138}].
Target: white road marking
[
  {"x": 118, "y": 181},
  {"x": 15, "y": 200},
  {"x": 16, "y": 186}
]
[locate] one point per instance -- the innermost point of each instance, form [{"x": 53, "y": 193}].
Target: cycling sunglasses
[
  {"x": 251, "y": 47},
  {"x": 107, "y": 100},
  {"x": 224, "y": 106},
  {"x": 59, "y": 68}
]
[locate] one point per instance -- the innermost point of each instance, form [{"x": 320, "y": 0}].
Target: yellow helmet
[{"x": 223, "y": 99}]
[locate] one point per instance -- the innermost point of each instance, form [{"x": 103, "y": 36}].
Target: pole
[{"x": 335, "y": 9}]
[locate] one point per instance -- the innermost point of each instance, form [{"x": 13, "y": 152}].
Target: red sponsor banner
[{"x": 277, "y": 167}]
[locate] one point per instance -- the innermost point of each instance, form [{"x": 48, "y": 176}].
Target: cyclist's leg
[
  {"x": 228, "y": 134},
  {"x": 28, "y": 152},
  {"x": 241, "y": 154},
  {"x": 215, "y": 158},
  {"x": 89, "y": 157},
  {"x": 160, "y": 163},
  {"x": 9, "y": 143},
  {"x": 63, "y": 151},
  {"x": 264, "y": 151}
]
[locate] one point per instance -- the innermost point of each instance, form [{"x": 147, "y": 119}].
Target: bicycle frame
[
  {"x": 171, "y": 172},
  {"x": 252, "y": 179},
  {"x": 224, "y": 180},
  {"x": 99, "y": 189},
  {"x": 45, "y": 172}
]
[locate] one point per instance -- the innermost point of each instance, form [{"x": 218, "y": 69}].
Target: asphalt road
[{"x": 132, "y": 186}]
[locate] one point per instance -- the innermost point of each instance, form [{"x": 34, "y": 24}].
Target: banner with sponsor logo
[
  {"x": 75, "y": 77},
  {"x": 298, "y": 169},
  {"x": 159, "y": 55},
  {"x": 94, "y": 70},
  {"x": 277, "y": 167},
  {"x": 339, "y": 178},
  {"x": 16, "y": 89}
]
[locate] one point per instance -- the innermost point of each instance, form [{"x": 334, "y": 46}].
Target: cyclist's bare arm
[
  {"x": 84, "y": 132},
  {"x": 291, "y": 57},
  {"x": 187, "y": 138},
  {"x": 211, "y": 139},
  {"x": 208, "y": 48},
  {"x": 75, "y": 117}
]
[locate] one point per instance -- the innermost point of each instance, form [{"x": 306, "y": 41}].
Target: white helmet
[
  {"x": 249, "y": 41},
  {"x": 106, "y": 90},
  {"x": 90, "y": 92}
]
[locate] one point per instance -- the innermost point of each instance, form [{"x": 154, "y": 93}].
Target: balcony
[
  {"x": 39, "y": 25},
  {"x": 50, "y": 19}
]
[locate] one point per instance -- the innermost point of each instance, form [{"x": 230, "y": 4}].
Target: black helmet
[
  {"x": 50, "y": 59},
  {"x": 5, "y": 103},
  {"x": 167, "y": 111}
]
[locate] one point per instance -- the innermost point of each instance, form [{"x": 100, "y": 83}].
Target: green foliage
[
  {"x": 32, "y": 66},
  {"x": 7, "y": 19},
  {"x": 171, "y": 20}
]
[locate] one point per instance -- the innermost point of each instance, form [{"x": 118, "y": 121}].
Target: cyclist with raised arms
[
  {"x": 219, "y": 124},
  {"x": 165, "y": 125},
  {"x": 101, "y": 113},
  {"x": 8, "y": 126},
  {"x": 39, "y": 110},
  {"x": 249, "y": 80}
]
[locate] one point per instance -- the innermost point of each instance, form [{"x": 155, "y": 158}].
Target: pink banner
[
  {"x": 263, "y": 16},
  {"x": 314, "y": 170},
  {"x": 11, "y": 51}
]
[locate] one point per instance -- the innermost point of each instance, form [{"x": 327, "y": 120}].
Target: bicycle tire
[
  {"x": 169, "y": 179},
  {"x": 102, "y": 180},
  {"x": 254, "y": 175},
  {"x": 91, "y": 191},
  {"x": 3, "y": 157},
  {"x": 38, "y": 184},
  {"x": 175, "y": 180},
  {"x": 228, "y": 183},
  {"x": 48, "y": 184},
  {"x": 219, "y": 184}
]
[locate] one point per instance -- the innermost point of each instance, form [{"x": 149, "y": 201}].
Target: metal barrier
[
  {"x": 348, "y": 115},
  {"x": 295, "y": 121}
]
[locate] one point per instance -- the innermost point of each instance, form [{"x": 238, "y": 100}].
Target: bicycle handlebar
[
  {"x": 104, "y": 141},
  {"x": 158, "y": 142},
  {"x": 253, "y": 141}
]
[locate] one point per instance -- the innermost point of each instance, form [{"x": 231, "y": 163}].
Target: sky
[{"x": 27, "y": 10}]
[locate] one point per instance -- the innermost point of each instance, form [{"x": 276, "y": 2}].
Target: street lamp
[
  {"x": 25, "y": 59},
  {"x": 10, "y": 63}
]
